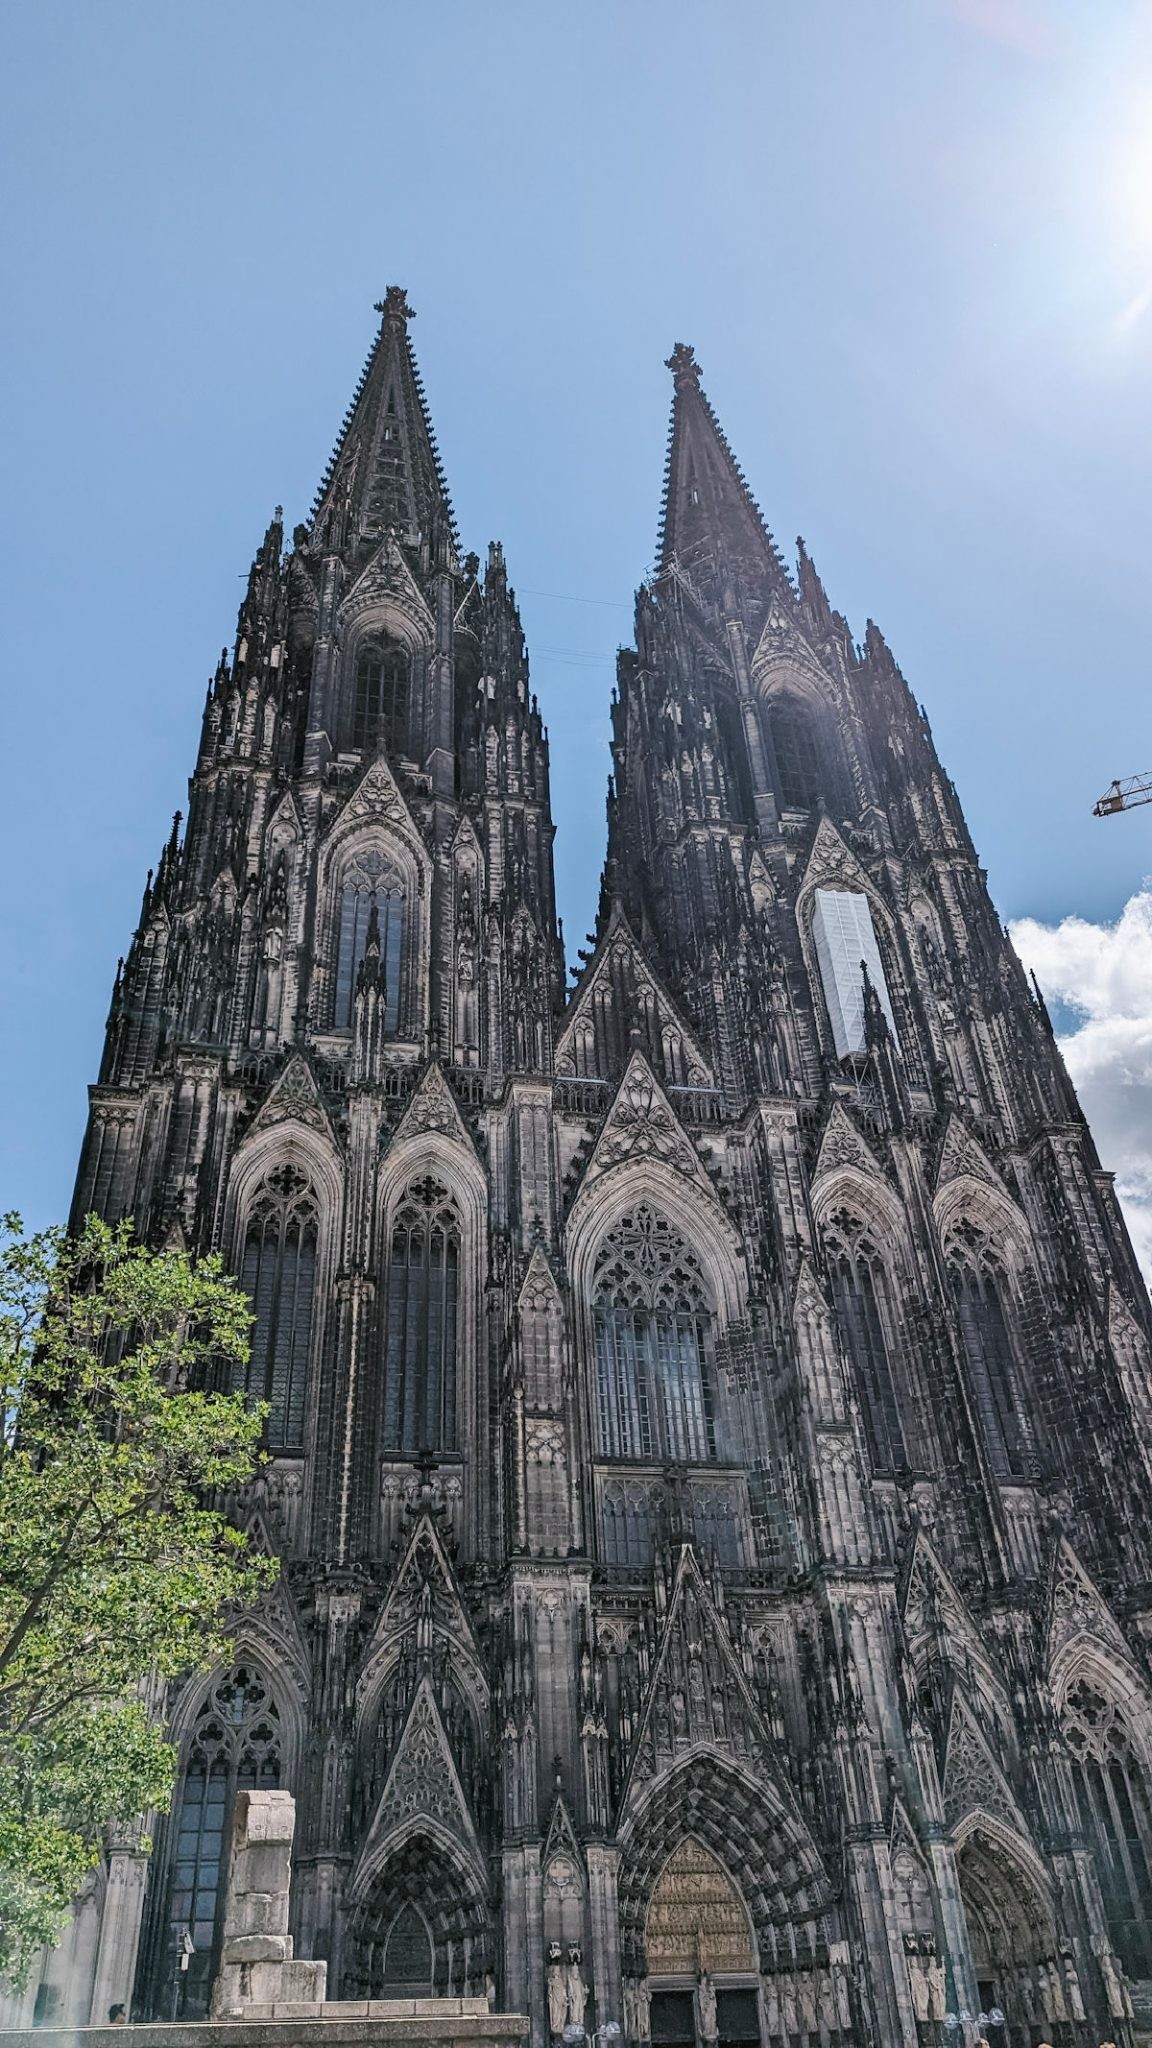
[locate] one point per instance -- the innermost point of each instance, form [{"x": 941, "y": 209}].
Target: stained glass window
[
  {"x": 369, "y": 883},
  {"x": 652, "y": 1330},
  {"x": 420, "y": 1323},
  {"x": 279, "y": 1273},
  {"x": 236, "y": 1746}
]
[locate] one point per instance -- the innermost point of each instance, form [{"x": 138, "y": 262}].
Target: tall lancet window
[
  {"x": 652, "y": 1326},
  {"x": 1112, "y": 1792},
  {"x": 370, "y": 883},
  {"x": 380, "y": 707},
  {"x": 420, "y": 1322},
  {"x": 979, "y": 1289},
  {"x": 864, "y": 1313},
  {"x": 800, "y": 770},
  {"x": 279, "y": 1273},
  {"x": 236, "y": 1746}
]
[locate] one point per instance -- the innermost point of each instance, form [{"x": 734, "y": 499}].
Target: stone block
[
  {"x": 265, "y": 1868},
  {"x": 265, "y": 1816},
  {"x": 264, "y": 1983},
  {"x": 304, "y": 1979},
  {"x": 393, "y": 2008},
  {"x": 297, "y": 2009},
  {"x": 260, "y": 1913},
  {"x": 256, "y": 1948},
  {"x": 345, "y": 2008}
]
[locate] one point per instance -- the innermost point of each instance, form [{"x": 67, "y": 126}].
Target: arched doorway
[
  {"x": 702, "y": 1964},
  {"x": 421, "y": 1929},
  {"x": 1012, "y": 1939}
]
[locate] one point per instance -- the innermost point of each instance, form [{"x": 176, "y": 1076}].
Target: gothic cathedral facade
[{"x": 710, "y": 1412}]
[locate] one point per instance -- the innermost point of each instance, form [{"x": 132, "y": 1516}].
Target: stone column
[
  {"x": 257, "y": 1969},
  {"x": 119, "y": 1931}
]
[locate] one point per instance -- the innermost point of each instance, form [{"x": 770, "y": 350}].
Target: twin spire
[
  {"x": 707, "y": 510},
  {"x": 385, "y": 473}
]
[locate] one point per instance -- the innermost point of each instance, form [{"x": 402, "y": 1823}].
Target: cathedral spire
[
  {"x": 707, "y": 508},
  {"x": 385, "y": 472}
]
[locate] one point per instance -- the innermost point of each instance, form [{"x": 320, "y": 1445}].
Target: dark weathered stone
[{"x": 786, "y": 1537}]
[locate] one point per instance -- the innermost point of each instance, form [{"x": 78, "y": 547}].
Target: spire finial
[
  {"x": 684, "y": 367},
  {"x": 394, "y": 305}
]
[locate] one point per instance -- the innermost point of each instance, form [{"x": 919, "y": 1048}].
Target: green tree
[{"x": 116, "y": 1570}]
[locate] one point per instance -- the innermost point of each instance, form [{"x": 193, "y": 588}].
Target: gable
[
  {"x": 376, "y": 798},
  {"x": 962, "y": 1156},
  {"x": 973, "y": 1780},
  {"x": 1076, "y": 1607},
  {"x": 832, "y": 861},
  {"x": 620, "y": 995},
  {"x": 698, "y": 1694},
  {"x": 642, "y": 1125},
  {"x": 293, "y": 1098},
  {"x": 388, "y": 580},
  {"x": 842, "y": 1145},
  {"x": 433, "y": 1108},
  {"x": 423, "y": 1783}
]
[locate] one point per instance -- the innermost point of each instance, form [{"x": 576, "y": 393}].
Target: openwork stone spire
[{"x": 385, "y": 473}]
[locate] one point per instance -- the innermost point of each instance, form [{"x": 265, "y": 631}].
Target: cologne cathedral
[{"x": 709, "y": 1400}]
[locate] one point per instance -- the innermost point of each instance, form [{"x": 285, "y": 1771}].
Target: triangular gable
[
  {"x": 377, "y": 795},
  {"x": 832, "y": 860},
  {"x": 932, "y": 1608},
  {"x": 285, "y": 817},
  {"x": 272, "y": 1629},
  {"x": 560, "y": 1839},
  {"x": 842, "y": 1145},
  {"x": 620, "y": 944},
  {"x": 433, "y": 1108},
  {"x": 423, "y": 1781},
  {"x": 641, "y": 1124},
  {"x": 294, "y": 1098},
  {"x": 1076, "y": 1607},
  {"x": 782, "y": 642},
  {"x": 973, "y": 1780},
  {"x": 464, "y": 839},
  {"x": 539, "y": 1289},
  {"x": 961, "y": 1154},
  {"x": 424, "y": 1587},
  {"x": 714, "y": 1708},
  {"x": 388, "y": 577}
]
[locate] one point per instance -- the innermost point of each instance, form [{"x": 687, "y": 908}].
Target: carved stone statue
[
  {"x": 937, "y": 1998},
  {"x": 706, "y": 2007},
  {"x": 574, "y": 1984},
  {"x": 557, "y": 1989}
]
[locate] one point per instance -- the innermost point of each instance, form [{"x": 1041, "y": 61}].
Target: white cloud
[{"x": 1103, "y": 974}]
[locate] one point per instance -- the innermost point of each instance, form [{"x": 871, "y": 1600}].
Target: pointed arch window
[
  {"x": 800, "y": 776},
  {"x": 236, "y": 1746},
  {"x": 864, "y": 1314},
  {"x": 381, "y": 704},
  {"x": 420, "y": 1326},
  {"x": 652, "y": 1326},
  {"x": 979, "y": 1289},
  {"x": 1112, "y": 1794},
  {"x": 279, "y": 1274},
  {"x": 370, "y": 882}
]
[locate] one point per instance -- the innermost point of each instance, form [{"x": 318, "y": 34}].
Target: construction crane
[{"x": 1124, "y": 796}]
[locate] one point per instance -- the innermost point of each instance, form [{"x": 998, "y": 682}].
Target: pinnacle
[{"x": 394, "y": 305}]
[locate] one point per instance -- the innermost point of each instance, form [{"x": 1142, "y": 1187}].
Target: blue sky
[{"x": 911, "y": 242}]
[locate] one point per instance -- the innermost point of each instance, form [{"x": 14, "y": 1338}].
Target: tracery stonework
[{"x": 710, "y": 1461}]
